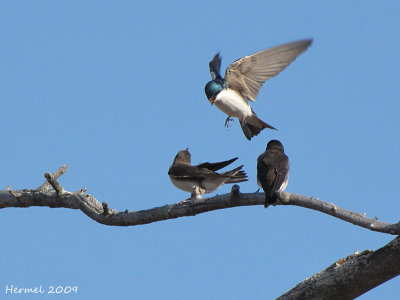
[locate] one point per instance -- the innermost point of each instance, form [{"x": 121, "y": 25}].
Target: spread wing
[
  {"x": 215, "y": 66},
  {"x": 248, "y": 74},
  {"x": 216, "y": 166}
]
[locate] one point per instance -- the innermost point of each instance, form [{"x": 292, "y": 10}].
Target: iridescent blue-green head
[{"x": 212, "y": 89}]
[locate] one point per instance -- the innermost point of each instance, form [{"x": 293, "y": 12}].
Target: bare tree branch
[
  {"x": 46, "y": 185},
  {"x": 358, "y": 219},
  {"x": 352, "y": 276},
  {"x": 101, "y": 213},
  {"x": 345, "y": 279},
  {"x": 54, "y": 183}
]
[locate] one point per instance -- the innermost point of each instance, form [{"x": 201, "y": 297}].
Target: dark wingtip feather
[
  {"x": 215, "y": 66},
  {"x": 218, "y": 165},
  {"x": 231, "y": 160}
]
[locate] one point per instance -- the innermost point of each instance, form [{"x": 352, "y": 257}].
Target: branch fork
[
  {"x": 102, "y": 213},
  {"x": 320, "y": 285},
  {"x": 54, "y": 183}
]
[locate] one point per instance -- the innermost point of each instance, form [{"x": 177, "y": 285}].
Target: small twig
[
  {"x": 105, "y": 208},
  {"x": 104, "y": 215},
  {"x": 54, "y": 183},
  {"x": 234, "y": 192},
  {"x": 46, "y": 185}
]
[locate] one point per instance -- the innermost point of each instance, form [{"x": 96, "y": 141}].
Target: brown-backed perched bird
[
  {"x": 202, "y": 179},
  {"x": 244, "y": 79},
  {"x": 272, "y": 170}
]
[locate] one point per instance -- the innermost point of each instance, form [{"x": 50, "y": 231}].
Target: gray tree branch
[
  {"x": 44, "y": 196},
  {"x": 345, "y": 279},
  {"x": 352, "y": 276}
]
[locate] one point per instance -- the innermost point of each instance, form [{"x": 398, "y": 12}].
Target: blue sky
[{"x": 115, "y": 88}]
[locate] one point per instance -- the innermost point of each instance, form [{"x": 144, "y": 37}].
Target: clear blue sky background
[{"x": 115, "y": 88}]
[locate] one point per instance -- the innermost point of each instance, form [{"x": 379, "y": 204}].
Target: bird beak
[{"x": 212, "y": 101}]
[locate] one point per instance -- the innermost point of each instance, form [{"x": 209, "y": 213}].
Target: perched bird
[
  {"x": 202, "y": 179},
  {"x": 272, "y": 170},
  {"x": 244, "y": 79}
]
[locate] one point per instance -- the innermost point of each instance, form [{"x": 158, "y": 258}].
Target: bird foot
[
  {"x": 183, "y": 201},
  {"x": 228, "y": 119}
]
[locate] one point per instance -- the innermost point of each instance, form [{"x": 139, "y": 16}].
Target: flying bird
[
  {"x": 272, "y": 170},
  {"x": 244, "y": 79},
  {"x": 202, "y": 179}
]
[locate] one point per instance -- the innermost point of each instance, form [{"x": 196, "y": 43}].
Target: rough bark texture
[
  {"x": 58, "y": 197},
  {"x": 352, "y": 276},
  {"x": 345, "y": 279}
]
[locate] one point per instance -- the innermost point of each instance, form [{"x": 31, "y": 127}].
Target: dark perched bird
[
  {"x": 272, "y": 170},
  {"x": 244, "y": 79},
  {"x": 202, "y": 179}
]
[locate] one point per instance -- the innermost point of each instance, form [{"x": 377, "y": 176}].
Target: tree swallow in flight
[
  {"x": 272, "y": 170},
  {"x": 244, "y": 79},
  {"x": 202, "y": 179}
]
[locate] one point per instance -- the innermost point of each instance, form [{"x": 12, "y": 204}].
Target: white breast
[
  {"x": 184, "y": 185},
  {"x": 188, "y": 186},
  {"x": 233, "y": 104},
  {"x": 284, "y": 184},
  {"x": 212, "y": 184}
]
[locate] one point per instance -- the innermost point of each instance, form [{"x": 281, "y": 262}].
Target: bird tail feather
[
  {"x": 253, "y": 125},
  {"x": 236, "y": 175},
  {"x": 270, "y": 199}
]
